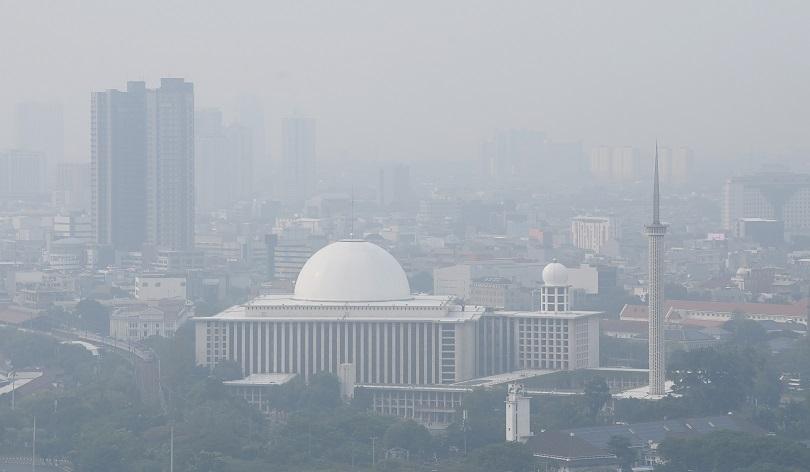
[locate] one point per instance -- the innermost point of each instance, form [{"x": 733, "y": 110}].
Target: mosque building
[{"x": 352, "y": 313}]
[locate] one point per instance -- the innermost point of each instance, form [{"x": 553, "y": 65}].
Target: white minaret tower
[
  {"x": 655, "y": 235},
  {"x": 518, "y": 414}
]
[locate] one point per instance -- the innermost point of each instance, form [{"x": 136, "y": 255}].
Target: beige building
[{"x": 592, "y": 233}]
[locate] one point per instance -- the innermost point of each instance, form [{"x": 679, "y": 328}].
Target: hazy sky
[{"x": 431, "y": 79}]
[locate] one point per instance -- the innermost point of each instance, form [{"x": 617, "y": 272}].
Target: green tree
[
  {"x": 503, "y": 457},
  {"x": 620, "y": 447},
  {"x": 597, "y": 394},
  {"x": 745, "y": 332},
  {"x": 93, "y": 316},
  {"x": 323, "y": 391},
  {"x": 408, "y": 435},
  {"x": 717, "y": 381}
]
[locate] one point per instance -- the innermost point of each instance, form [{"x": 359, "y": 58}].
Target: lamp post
[{"x": 13, "y": 382}]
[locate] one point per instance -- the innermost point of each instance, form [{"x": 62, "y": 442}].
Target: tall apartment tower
[
  {"x": 655, "y": 234},
  {"x": 170, "y": 165},
  {"x": 142, "y": 166},
  {"x": 39, "y": 127},
  {"x": 298, "y": 159}
]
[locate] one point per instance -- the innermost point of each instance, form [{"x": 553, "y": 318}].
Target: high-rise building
[
  {"x": 394, "y": 187},
  {"x": 250, "y": 117},
  {"x": 592, "y": 233},
  {"x": 298, "y": 159},
  {"x": 223, "y": 161},
  {"x": 780, "y": 196},
  {"x": 655, "y": 294},
  {"x": 142, "y": 166},
  {"x": 676, "y": 164},
  {"x": 170, "y": 165},
  {"x": 212, "y": 172},
  {"x": 22, "y": 173},
  {"x": 39, "y": 127},
  {"x": 615, "y": 164}
]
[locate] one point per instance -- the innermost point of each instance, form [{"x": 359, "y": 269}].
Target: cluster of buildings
[{"x": 414, "y": 284}]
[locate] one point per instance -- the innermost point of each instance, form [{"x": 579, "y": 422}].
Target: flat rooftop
[
  {"x": 551, "y": 314},
  {"x": 261, "y": 380}
]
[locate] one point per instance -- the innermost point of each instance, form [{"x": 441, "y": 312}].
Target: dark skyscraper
[{"x": 142, "y": 165}]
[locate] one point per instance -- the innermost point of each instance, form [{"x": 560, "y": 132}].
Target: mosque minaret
[{"x": 655, "y": 235}]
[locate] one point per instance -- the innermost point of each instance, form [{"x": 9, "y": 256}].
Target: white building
[
  {"x": 139, "y": 321},
  {"x": 352, "y": 304},
  {"x": 593, "y": 232},
  {"x": 352, "y": 314},
  {"x": 518, "y": 414},
  {"x": 154, "y": 287},
  {"x": 555, "y": 337}
]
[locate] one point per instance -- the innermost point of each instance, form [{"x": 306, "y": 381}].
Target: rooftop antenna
[{"x": 351, "y": 233}]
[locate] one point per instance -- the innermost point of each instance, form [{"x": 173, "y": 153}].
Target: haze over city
[
  {"x": 408, "y": 236},
  {"x": 425, "y": 80}
]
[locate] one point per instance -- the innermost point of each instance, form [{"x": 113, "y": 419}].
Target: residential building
[
  {"x": 593, "y": 233},
  {"x": 777, "y": 196},
  {"x": 142, "y": 166},
  {"x": 298, "y": 159}
]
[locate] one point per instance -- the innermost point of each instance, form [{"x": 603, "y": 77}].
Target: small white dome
[
  {"x": 555, "y": 275},
  {"x": 352, "y": 271}
]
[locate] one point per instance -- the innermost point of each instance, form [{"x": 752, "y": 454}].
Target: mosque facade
[{"x": 352, "y": 311}]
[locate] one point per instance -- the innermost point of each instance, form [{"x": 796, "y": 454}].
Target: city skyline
[{"x": 394, "y": 102}]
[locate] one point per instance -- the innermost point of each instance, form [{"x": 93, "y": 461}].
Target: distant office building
[
  {"x": 176, "y": 262},
  {"x": 72, "y": 188},
  {"x": 22, "y": 174},
  {"x": 512, "y": 152},
  {"x": 250, "y": 117},
  {"x": 154, "y": 287},
  {"x": 675, "y": 164},
  {"x": 769, "y": 233},
  {"x": 457, "y": 280},
  {"x": 615, "y": 164},
  {"x": 142, "y": 165},
  {"x": 439, "y": 216},
  {"x": 394, "y": 186},
  {"x": 592, "y": 233},
  {"x": 223, "y": 164},
  {"x": 72, "y": 225},
  {"x": 298, "y": 159},
  {"x": 499, "y": 292},
  {"x": 778, "y": 196},
  {"x": 69, "y": 254},
  {"x": 39, "y": 127},
  {"x": 212, "y": 170}
]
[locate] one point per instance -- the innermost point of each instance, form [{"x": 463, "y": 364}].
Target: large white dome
[
  {"x": 352, "y": 271},
  {"x": 555, "y": 274}
]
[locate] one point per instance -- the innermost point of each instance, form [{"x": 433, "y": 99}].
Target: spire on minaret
[{"x": 656, "y": 196}]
